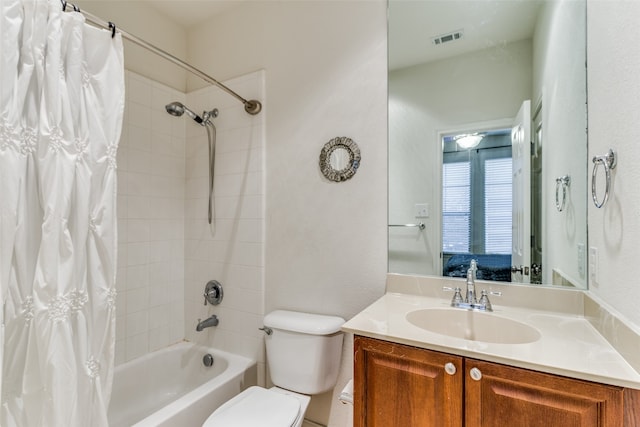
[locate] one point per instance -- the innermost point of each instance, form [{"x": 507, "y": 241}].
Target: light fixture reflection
[{"x": 467, "y": 141}]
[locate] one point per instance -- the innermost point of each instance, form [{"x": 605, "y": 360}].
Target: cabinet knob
[
  {"x": 475, "y": 374},
  {"x": 450, "y": 368}
]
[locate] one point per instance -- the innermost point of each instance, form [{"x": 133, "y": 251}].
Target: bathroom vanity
[
  {"x": 532, "y": 366},
  {"x": 399, "y": 385}
]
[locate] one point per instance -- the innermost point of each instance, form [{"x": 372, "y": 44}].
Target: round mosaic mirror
[{"x": 339, "y": 159}]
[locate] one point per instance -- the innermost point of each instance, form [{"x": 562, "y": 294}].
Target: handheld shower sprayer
[{"x": 178, "y": 109}]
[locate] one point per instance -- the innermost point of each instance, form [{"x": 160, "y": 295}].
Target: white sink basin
[{"x": 473, "y": 325}]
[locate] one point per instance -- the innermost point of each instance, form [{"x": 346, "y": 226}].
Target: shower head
[{"x": 177, "y": 109}]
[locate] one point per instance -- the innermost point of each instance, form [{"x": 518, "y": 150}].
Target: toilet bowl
[
  {"x": 303, "y": 354},
  {"x": 257, "y": 406}
]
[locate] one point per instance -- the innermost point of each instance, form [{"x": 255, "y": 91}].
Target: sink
[{"x": 473, "y": 325}]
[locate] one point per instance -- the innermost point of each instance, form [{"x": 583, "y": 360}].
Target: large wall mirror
[{"x": 488, "y": 139}]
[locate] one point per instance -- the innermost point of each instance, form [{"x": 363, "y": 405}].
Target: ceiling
[
  {"x": 485, "y": 23},
  {"x": 412, "y": 24},
  {"x": 188, "y": 13}
]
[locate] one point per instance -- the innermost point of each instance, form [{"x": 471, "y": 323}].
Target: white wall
[
  {"x": 560, "y": 80},
  {"x": 614, "y": 102},
  {"x": 440, "y": 96},
  {"x": 325, "y": 63},
  {"x": 151, "y": 175}
]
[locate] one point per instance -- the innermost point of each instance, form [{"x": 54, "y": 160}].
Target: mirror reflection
[
  {"x": 340, "y": 159},
  {"x": 487, "y": 114}
]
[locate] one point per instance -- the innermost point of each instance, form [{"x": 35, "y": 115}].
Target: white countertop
[{"x": 569, "y": 345}]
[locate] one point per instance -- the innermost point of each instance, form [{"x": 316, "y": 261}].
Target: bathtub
[{"x": 172, "y": 387}]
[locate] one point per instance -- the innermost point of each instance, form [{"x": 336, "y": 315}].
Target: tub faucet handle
[{"x": 213, "y": 293}]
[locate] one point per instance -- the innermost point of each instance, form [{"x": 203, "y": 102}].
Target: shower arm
[{"x": 251, "y": 106}]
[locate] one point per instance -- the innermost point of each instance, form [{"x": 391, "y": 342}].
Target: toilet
[{"x": 303, "y": 355}]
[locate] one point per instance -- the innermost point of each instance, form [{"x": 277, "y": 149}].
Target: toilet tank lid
[{"x": 306, "y": 323}]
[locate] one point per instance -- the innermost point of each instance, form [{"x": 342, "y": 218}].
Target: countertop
[{"x": 569, "y": 345}]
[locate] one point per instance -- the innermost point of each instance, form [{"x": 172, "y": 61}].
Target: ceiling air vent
[{"x": 448, "y": 37}]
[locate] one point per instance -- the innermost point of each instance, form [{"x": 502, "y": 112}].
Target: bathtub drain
[{"x": 207, "y": 360}]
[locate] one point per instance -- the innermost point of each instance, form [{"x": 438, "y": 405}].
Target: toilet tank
[{"x": 304, "y": 350}]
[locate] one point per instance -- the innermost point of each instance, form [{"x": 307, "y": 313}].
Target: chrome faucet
[
  {"x": 207, "y": 323},
  {"x": 471, "y": 282},
  {"x": 470, "y": 302}
]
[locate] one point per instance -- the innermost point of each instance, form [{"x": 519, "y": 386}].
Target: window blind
[
  {"x": 497, "y": 205},
  {"x": 477, "y": 202},
  {"x": 456, "y": 206}
]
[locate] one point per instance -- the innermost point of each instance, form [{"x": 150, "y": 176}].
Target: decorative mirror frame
[{"x": 354, "y": 159}]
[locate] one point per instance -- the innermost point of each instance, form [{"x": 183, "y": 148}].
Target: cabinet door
[
  {"x": 497, "y": 396},
  {"x": 403, "y": 386}
]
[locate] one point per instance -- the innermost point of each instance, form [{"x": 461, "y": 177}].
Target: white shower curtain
[{"x": 61, "y": 107}]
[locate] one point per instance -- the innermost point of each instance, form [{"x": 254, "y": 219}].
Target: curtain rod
[{"x": 250, "y": 106}]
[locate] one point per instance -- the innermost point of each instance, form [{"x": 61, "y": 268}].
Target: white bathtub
[{"x": 172, "y": 387}]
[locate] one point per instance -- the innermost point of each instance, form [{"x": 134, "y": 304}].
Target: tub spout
[{"x": 207, "y": 323}]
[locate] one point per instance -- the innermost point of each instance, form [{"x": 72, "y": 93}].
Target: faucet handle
[
  {"x": 457, "y": 296},
  {"x": 213, "y": 292},
  {"x": 484, "y": 299}
]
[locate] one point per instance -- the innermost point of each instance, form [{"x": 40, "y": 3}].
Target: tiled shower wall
[
  {"x": 231, "y": 252},
  {"x": 151, "y": 176},
  {"x": 167, "y": 251}
]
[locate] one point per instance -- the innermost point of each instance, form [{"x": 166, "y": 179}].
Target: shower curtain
[{"x": 61, "y": 107}]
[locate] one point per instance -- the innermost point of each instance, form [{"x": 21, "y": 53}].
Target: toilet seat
[{"x": 256, "y": 406}]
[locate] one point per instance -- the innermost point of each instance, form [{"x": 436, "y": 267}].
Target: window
[
  {"x": 476, "y": 197},
  {"x": 456, "y": 206},
  {"x": 497, "y": 205}
]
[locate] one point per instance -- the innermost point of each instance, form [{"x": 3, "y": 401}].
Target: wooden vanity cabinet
[
  {"x": 495, "y": 393},
  {"x": 397, "y": 385},
  {"x": 401, "y": 386}
]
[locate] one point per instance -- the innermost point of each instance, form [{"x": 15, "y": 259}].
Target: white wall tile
[
  {"x": 161, "y": 121},
  {"x": 159, "y": 294},
  {"x": 122, "y": 207},
  {"x": 137, "y": 253},
  {"x": 150, "y": 222},
  {"x": 159, "y": 315},
  {"x": 138, "y": 207},
  {"x": 137, "y": 276},
  {"x": 140, "y": 115},
  {"x": 139, "y": 137},
  {"x": 138, "y": 230},
  {"x": 138, "y": 90},
  {"x": 136, "y": 323},
  {"x": 120, "y": 327},
  {"x": 136, "y": 346},
  {"x": 159, "y": 338},
  {"x": 138, "y": 160},
  {"x": 137, "y": 300},
  {"x": 120, "y": 352}
]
